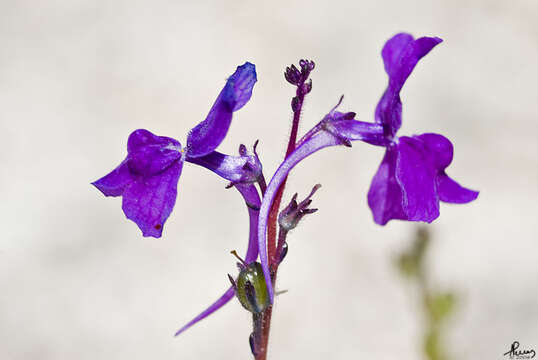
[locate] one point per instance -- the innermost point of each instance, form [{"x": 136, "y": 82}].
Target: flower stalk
[
  {"x": 299, "y": 78},
  {"x": 409, "y": 184}
]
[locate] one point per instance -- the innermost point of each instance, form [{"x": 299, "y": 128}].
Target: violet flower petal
[
  {"x": 385, "y": 194},
  {"x": 439, "y": 149},
  {"x": 147, "y": 180},
  {"x": 115, "y": 182},
  {"x": 330, "y": 134},
  {"x": 207, "y": 135},
  {"x": 451, "y": 192},
  {"x": 400, "y": 55},
  {"x": 392, "y": 51},
  {"x": 252, "y": 199},
  {"x": 149, "y": 154},
  {"x": 441, "y": 152},
  {"x": 416, "y": 175},
  {"x": 411, "y": 180},
  {"x": 148, "y": 201},
  {"x": 404, "y": 185}
]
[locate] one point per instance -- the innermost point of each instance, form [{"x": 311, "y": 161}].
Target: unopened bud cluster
[{"x": 294, "y": 212}]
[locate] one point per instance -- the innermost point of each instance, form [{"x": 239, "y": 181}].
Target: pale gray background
[{"x": 77, "y": 279}]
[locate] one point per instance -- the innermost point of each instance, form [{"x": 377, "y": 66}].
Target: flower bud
[{"x": 294, "y": 212}]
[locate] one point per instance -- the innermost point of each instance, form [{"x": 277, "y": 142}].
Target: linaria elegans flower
[
  {"x": 411, "y": 179},
  {"x": 147, "y": 178}
]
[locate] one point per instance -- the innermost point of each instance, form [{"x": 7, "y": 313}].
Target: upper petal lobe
[
  {"x": 207, "y": 135},
  {"x": 149, "y": 154},
  {"x": 400, "y": 55}
]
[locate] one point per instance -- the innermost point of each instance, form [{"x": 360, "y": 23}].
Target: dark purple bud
[
  {"x": 297, "y": 77},
  {"x": 288, "y": 76},
  {"x": 294, "y": 212},
  {"x": 293, "y": 75},
  {"x": 306, "y": 67}
]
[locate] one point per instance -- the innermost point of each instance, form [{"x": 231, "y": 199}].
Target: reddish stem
[
  {"x": 273, "y": 214},
  {"x": 272, "y": 221}
]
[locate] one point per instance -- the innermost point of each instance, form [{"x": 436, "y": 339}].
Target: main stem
[{"x": 273, "y": 257}]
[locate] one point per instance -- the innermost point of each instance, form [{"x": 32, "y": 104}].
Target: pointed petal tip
[
  {"x": 475, "y": 194},
  {"x": 223, "y": 300},
  {"x": 97, "y": 186},
  {"x": 183, "y": 329},
  {"x": 451, "y": 191},
  {"x": 114, "y": 183},
  {"x": 248, "y": 66}
]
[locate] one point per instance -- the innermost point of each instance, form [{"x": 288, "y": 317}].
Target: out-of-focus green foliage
[
  {"x": 441, "y": 305},
  {"x": 436, "y": 306},
  {"x": 410, "y": 262}
]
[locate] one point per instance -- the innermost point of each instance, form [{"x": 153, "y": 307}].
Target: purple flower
[
  {"x": 411, "y": 178},
  {"x": 147, "y": 178}
]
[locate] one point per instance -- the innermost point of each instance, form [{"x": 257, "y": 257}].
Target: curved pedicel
[
  {"x": 252, "y": 200},
  {"x": 333, "y": 133}
]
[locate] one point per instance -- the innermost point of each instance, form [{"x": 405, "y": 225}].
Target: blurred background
[{"x": 78, "y": 281}]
